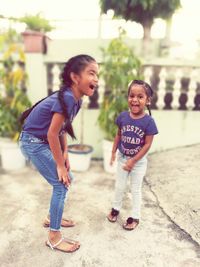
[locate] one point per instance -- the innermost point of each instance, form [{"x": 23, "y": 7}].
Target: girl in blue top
[
  {"x": 136, "y": 130},
  {"x": 43, "y": 139}
]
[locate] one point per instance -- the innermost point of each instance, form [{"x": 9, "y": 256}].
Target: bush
[
  {"x": 120, "y": 66},
  {"x": 13, "y": 100}
]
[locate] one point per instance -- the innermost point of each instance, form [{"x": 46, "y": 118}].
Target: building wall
[{"x": 176, "y": 129}]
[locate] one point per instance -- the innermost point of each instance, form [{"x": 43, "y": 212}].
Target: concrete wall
[
  {"x": 176, "y": 129},
  {"x": 62, "y": 50},
  {"x": 37, "y": 77}
]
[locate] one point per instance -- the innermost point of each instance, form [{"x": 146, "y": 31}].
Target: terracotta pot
[{"x": 35, "y": 42}]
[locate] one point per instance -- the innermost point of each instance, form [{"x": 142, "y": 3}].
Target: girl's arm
[
  {"x": 64, "y": 147},
  {"x": 115, "y": 146},
  {"x": 63, "y": 142},
  {"x": 55, "y": 146},
  {"x": 131, "y": 162}
]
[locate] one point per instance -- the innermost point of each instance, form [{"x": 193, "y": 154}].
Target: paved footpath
[{"x": 168, "y": 235}]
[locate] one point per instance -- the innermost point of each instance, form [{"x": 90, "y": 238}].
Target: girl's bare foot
[{"x": 56, "y": 241}]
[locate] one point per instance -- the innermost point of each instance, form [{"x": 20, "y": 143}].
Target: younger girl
[
  {"x": 43, "y": 139},
  {"x": 136, "y": 130}
]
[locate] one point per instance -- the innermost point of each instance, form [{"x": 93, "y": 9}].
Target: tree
[{"x": 141, "y": 11}]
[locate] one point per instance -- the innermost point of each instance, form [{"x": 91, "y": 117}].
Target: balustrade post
[
  {"x": 147, "y": 74},
  {"x": 177, "y": 89},
  {"x": 192, "y": 89},
  {"x": 161, "y": 88},
  {"x": 55, "y": 77},
  {"x": 86, "y": 101},
  {"x": 101, "y": 91}
]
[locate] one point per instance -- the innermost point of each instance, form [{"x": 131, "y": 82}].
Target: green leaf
[{"x": 120, "y": 66}]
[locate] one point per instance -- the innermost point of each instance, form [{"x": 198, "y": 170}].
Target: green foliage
[
  {"x": 8, "y": 37},
  {"x": 141, "y": 11},
  {"x": 120, "y": 66},
  {"x": 13, "y": 100},
  {"x": 37, "y": 23}
]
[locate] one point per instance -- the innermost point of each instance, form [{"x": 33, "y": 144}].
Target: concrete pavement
[{"x": 168, "y": 235}]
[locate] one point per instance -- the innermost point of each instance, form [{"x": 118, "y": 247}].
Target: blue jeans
[
  {"x": 136, "y": 178},
  {"x": 38, "y": 152}
]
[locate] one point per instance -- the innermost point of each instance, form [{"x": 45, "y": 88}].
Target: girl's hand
[
  {"x": 63, "y": 176},
  {"x": 66, "y": 159},
  {"x": 112, "y": 158},
  {"x": 129, "y": 165}
]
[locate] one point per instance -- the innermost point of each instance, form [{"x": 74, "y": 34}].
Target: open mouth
[
  {"x": 134, "y": 106},
  {"x": 93, "y": 87}
]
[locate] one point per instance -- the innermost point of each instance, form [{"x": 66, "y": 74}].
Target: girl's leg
[
  {"x": 45, "y": 164},
  {"x": 120, "y": 184},
  {"x": 137, "y": 175},
  {"x": 40, "y": 155},
  {"x": 64, "y": 222}
]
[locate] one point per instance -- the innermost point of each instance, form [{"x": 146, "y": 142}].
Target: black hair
[
  {"x": 75, "y": 64},
  {"x": 148, "y": 90}
]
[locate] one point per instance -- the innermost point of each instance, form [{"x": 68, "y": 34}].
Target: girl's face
[
  {"x": 137, "y": 100},
  {"x": 87, "y": 80}
]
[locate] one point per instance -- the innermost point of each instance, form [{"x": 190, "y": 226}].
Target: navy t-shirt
[
  {"x": 133, "y": 132},
  {"x": 39, "y": 120}
]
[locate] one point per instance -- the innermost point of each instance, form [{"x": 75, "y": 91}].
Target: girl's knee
[{"x": 60, "y": 190}]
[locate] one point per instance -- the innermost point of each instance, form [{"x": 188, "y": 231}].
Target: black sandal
[
  {"x": 112, "y": 217},
  {"x": 129, "y": 221}
]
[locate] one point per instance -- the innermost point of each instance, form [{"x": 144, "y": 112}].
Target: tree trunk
[
  {"x": 146, "y": 46},
  {"x": 168, "y": 29}
]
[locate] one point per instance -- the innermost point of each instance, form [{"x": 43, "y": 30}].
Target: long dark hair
[
  {"x": 76, "y": 65},
  {"x": 148, "y": 89}
]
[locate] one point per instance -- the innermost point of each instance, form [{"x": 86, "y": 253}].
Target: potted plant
[
  {"x": 120, "y": 66},
  {"x": 35, "y": 39},
  {"x": 80, "y": 154},
  {"x": 13, "y": 101}
]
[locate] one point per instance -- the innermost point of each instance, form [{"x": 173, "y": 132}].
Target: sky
[
  {"x": 80, "y": 19},
  {"x": 59, "y": 9}
]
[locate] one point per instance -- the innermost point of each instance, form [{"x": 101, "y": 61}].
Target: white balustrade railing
[
  {"x": 163, "y": 75},
  {"x": 175, "y": 75}
]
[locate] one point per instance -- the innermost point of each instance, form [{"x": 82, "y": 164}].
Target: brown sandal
[
  {"x": 64, "y": 223},
  {"x": 112, "y": 217},
  {"x": 130, "y": 221}
]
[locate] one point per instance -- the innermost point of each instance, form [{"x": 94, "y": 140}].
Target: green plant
[
  {"x": 120, "y": 66},
  {"x": 7, "y": 37},
  {"x": 37, "y": 23},
  {"x": 13, "y": 100}
]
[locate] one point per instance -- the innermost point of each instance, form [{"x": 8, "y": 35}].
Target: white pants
[{"x": 136, "y": 177}]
